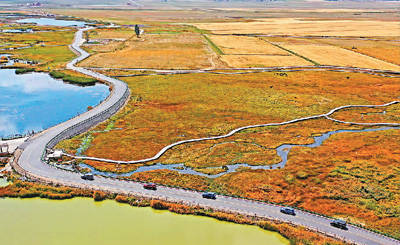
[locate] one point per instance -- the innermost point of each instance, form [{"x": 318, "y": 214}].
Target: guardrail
[{"x": 88, "y": 123}]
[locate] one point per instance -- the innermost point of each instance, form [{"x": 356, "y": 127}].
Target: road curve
[{"x": 29, "y": 163}]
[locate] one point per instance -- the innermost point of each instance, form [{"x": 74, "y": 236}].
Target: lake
[
  {"x": 36, "y": 101},
  {"x": 83, "y": 221},
  {"x": 52, "y": 22}
]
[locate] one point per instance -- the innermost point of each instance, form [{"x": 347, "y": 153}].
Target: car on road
[
  {"x": 150, "y": 186},
  {"x": 287, "y": 210},
  {"x": 209, "y": 195},
  {"x": 338, "y": 223},
  {"x": 87, "y": 177}
]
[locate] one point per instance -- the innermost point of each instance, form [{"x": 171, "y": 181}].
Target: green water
[{"x": 82, "y": 221}]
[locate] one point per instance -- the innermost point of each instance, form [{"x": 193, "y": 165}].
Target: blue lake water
[
  {"x": 52, "y": 22},
  {"x": 36, "y": 101}
]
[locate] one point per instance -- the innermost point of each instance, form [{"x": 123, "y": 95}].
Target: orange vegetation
[
  {"x": 28, "y": 189},
  {"x": 389, "y": 114},
  {"x": 166, "y": 109}
]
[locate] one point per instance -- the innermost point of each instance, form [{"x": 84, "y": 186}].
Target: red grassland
[
  {"x": 166, "y": 109},
  {"x": 352, "y": 175}
]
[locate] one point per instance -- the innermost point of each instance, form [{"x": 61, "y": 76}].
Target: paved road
[
  {"x": 280, "y": 69},
  {"x": 30, "y": 164}
]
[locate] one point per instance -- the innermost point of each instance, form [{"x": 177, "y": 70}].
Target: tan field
[
  {"x": 332, "y": 55},
  {"x": 163, "y": 51},
  {"x": 241, "y": 51},
  {"x": 312, "y": 27},
  {"x": 112, "y": 33},
  {"x": 383, "y": 50},
  {"x": 286, "y": 10},
  {"x": 245, "y": 45},
  {"x": 264, "y": 60}
]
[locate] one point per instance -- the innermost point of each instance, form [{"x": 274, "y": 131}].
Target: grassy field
[
  {"x": 388, "y": 51},
  {"x": 242, "y": 61},
  {"x": 390, "y": 114},
  {"x": 48, "y": 47},
  {"x": 242, "y": 51},
  {"x": 333, "y": 55},
  {"x": 166, "y": 51},
  {"x": 245, "y": 45},
  {"x": 300, "y": 27},
  {"x": 164, "y": 109}
]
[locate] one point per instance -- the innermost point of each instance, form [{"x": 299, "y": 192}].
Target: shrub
[
  {"x": 99, "y": 196},
  {"x": 156, "y": 204},
  {"x": 121, "y": 199},
  {"x": 24, "y": 70}
]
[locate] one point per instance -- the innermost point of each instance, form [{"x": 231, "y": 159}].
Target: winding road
[{"x": 29, "y": 163}]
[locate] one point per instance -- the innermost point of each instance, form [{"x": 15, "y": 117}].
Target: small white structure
[
  {"x": 57, "y": 154},
  {"x": 4, "y": 149}
]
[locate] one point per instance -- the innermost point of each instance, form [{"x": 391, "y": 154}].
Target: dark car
[
  {"x": 287, "y": 210},
  {"x": 338, "y": 223},
  {"x": 87, "y": 177},
  {"x": 209, "y": 195},
  {"x": 150, "y": 186}
]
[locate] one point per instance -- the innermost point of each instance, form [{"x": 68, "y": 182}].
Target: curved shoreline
[{"x": 28, "y": 162}]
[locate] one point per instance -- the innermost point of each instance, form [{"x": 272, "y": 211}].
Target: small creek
[{"x": 282, "y": 151}]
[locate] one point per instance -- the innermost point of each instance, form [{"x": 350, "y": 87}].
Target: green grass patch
[
  {"x": 213, "y": 45},
  {"x": 294, "y": 53},
  {"x": 24, "y": 70},
  {"x": 73, "y": 79}
]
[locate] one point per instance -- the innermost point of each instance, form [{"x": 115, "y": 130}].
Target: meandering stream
[{"x": 282, "y": 151}]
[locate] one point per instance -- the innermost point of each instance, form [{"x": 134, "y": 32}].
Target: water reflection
[
  {"x": 35, "y": 101},
  {"x": 52, "y": 22}
]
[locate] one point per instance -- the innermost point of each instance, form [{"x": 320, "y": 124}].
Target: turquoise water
[
  {"x": 36, "y": 101},
  {"x": 52, "y": 22}
]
